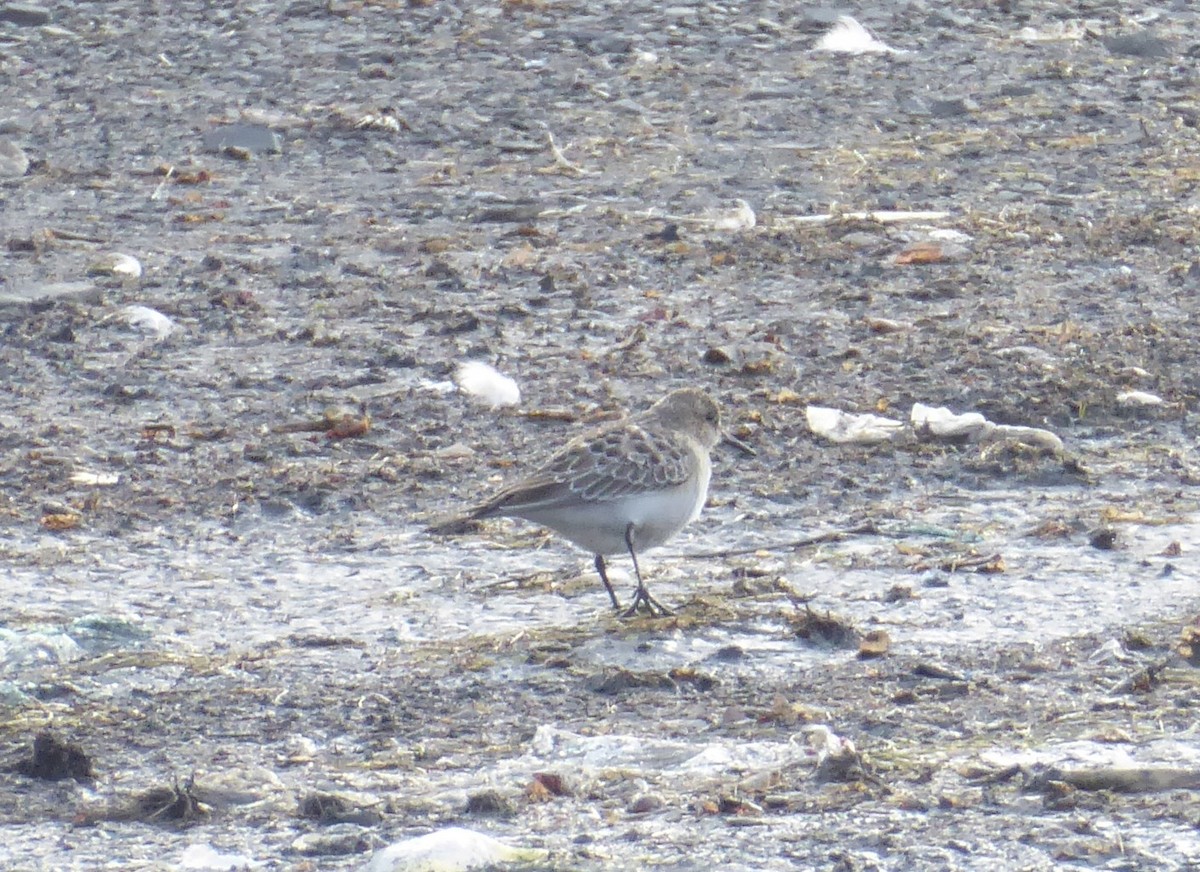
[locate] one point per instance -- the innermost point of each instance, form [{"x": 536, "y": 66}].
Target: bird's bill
[{"x": 730, "y": 439}]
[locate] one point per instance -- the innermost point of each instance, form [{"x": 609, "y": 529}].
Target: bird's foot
[{"x": 642, "y": 598}]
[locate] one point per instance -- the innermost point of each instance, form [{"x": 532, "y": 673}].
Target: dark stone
[
  {"x": 948, "y": 108},
  {"x": 24, "y": 14},
  {"x": 489, "y": 802},
  {"x": 1138, "y": 45},
  {"x": 1017, "y": 91}
]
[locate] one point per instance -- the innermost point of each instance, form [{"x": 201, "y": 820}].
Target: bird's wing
[{"x": 618, "y": 462}]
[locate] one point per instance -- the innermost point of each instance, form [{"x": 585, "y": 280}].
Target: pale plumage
[{"x": 625, "y": 488}]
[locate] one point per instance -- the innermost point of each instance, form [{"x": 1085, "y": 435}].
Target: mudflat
[{"x": 246, "y": 247}]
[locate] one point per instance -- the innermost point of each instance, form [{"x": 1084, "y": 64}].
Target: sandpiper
[{"x": 627, "y": 487}]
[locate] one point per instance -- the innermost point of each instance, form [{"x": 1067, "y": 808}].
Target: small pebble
[
  {"x": 1138, "y": 45},
  {"x": 247, "y": 139},
  {"x": 14, "y": 163},
  {"x": 647, "y": 802},
  {"x": 334, "y": 841}
]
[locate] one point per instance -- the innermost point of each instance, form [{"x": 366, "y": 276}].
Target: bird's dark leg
[
  {"x": 653, "y": 606},
  {"x": 607, "y": 584}
]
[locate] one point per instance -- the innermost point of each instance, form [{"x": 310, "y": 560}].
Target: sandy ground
[{"x": 238, "y": 617}]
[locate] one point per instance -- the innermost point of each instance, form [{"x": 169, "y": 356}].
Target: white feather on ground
[
  {"x": 850, "y": 37},
  {"x": 150, "y": 321},
  {"x": 1138, "y": 398},
  {"x": 486, "y": 384},
  {"x": 116, "y": 264}
]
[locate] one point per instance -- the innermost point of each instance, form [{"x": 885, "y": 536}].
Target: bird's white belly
[{"x": 599, "y": 527}]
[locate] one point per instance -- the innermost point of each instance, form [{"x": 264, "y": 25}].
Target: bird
[{"x": 623, "y": 489}]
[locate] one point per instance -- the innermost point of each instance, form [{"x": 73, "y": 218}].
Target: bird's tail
[{"x": 458, "y": 523}]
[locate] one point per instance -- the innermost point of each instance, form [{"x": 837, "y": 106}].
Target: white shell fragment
[
  {"x": 1112, "y": 651},
  {"x": 450, "y": 850},
  {"x": 842, "y": 427},
  {"x": 826, "y": 743},
  {"x": 371, "y": 121},
  {"x": 441, "y": 388},
  {"x": 1062, "y": 31},
  {"x": 947, "y": 234},
  {"x": 96, "y": 479},
  {"x": 150, "y": 321},
  {"x": 486, "y": 384},
  {"x": 116, "y": 264},
  {"x": 208, "y": 859},
  {"x": 735, "y": 220},
  {"x": 945, "y": 424},
  {"x": 1138, "y": 398},
  {"x": 850, "y": 37},
  {"x": 644, "y": 59},
  {"x": 14, "y": 163}
]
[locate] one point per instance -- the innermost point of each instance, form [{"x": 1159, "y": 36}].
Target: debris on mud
[
  {"x": 53, "y": 759},
  {"x": 490, "y": 802},
  {"x": 825, "y": 630},
  {"x": 177, "y": 805},
  {"x": 334, "y": 808},
  {"x": 874, "y": 643}
]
